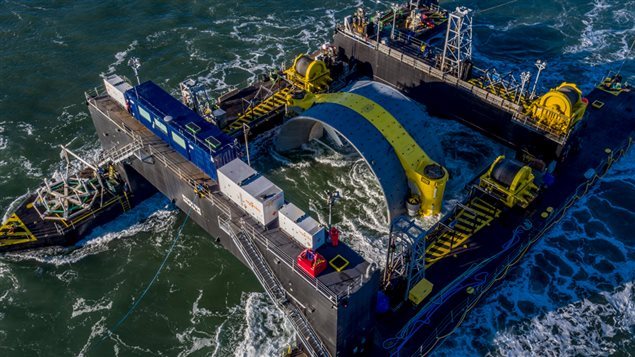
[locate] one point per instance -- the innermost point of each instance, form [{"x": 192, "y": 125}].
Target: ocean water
[{"x": 573, "y": 294}]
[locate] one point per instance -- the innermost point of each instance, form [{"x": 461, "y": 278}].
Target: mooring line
[{"x": 112, "y": 330}]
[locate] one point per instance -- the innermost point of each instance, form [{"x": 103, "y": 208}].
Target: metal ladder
[
  {"x": 274, "y": 289},
  {"x": 118, "y": 154}
]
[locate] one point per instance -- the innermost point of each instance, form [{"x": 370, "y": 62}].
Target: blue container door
[{"x": 225, "y": 156}]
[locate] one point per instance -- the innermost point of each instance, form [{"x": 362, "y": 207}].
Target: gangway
[
  {"x": 256, "y": 262},
  {"x": 119, "y": 153}
]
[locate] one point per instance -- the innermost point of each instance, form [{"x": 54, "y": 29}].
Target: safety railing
[
  {"x": 157, "y": 154},
  {"x": 451, "y": 321},
  {"x": 100, "y": 91},
  {"x": 118, "y": 154},
  {"x": 290, "y": 262},
  {"x": 433, "y": 70},
  {"x": 256, "y": 262},
  {"x": 225, "y": 209},
  {"x": 555, "y": 135}
]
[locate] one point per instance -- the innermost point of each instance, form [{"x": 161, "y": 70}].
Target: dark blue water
[{"x": 573, "y": 294}]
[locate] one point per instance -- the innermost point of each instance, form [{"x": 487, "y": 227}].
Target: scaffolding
[
  {"x": 458, "y": 42},
  {"x": 406, "y": 253}
]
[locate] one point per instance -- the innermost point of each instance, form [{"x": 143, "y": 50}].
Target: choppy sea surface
[{"x": 573, "y": 294}]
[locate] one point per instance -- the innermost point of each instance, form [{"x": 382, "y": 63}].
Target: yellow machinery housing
[
  {"x": 306, "y": 74},
  {"x": 510, "y": 181},
  {"x": 420, "y": 291},
  {"x": 558, "y": 110},
  {"x": 425, "y": 175},
  {"x": 309, "y": 74},
  {"x": 360, "y": 22}
]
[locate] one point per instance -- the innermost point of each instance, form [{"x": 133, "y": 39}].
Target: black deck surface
[
  {"x": 607, "y": 128},
  {"x": 338, "y": 282}
]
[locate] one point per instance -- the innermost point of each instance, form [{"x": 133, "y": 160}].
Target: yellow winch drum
[
  {"x": 505, "y": 171},
  {"x": 309, "y": 74},
  {"x": 559, "y": 109},
  {"x": 302, "y": 64},
  {"x": 510, "y": 181},
  {"x": 562, "y": 100}
]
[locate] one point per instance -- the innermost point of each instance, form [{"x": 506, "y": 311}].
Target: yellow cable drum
[
  {"x": 559, "y": 109},
  {"x": 309, "y": 74},
  {"x": 510, "y": 181}
]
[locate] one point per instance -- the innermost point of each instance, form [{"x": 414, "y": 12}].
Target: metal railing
[
  {"x": 291, "y": 263},
  {"x": 452, "y": 320},
  {"x": 118, "y": 154},
  {"x": 216, "y": 200},
  {"x": 433, "y": 70},
  {"x": 100, "y": 91},
  {"x": 555, "y": 135},
  {"x": 256, "y": 262},
  {"x": 152, "y": 151}
]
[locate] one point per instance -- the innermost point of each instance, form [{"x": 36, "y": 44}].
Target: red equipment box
[{"x": 311, "y": 262}]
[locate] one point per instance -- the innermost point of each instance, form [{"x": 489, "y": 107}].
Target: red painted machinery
[{"x": 311, "y": 262}]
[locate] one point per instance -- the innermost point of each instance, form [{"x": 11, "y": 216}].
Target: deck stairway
[
  {"x": 269, "y": 105},
  {"x": 466, "y": 220},
  {"x": 256, "y": 262},
  {"x": 119, "y": 153}
]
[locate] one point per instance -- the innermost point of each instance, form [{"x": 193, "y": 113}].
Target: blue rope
[{"x": 154, "y": 279}]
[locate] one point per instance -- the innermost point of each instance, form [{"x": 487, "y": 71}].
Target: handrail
[
  {"x": 225, "y": 209},
  {"x": 273, "y": 287},
  {"x": 290, "y": 262},
  {"x": 518, "y": 114},
  {"x": 100, "y": 91},
  {"x": 456, "y": 316}
]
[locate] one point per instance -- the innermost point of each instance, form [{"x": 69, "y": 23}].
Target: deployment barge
[{"x": 195, "y": 151}]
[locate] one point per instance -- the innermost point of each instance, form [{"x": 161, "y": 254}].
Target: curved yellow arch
[{"x": 425, "y": 174}]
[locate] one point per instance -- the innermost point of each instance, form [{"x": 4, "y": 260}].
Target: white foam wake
[
  {"x": 573, "y": 294},
  {"x": 152, "y": 215}
]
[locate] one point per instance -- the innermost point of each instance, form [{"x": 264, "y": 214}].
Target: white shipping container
[
  {"x": 301, "y": 227},
  {"x": 258, "y": 196},
  {"x": 116, "y": 87},
  {"x": 230, "y": 178},
  {"x": 262, "y": 200}
]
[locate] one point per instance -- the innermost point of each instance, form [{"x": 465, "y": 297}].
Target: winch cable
[
  {"x": 496, "y": 6},
  {"x": 112, "y": 330},
  {"x": 626, "y": 57},
  {"x": 398, "y": 341}
]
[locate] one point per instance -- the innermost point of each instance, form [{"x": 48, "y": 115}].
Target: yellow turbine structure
[{"x": 427, "y": 179}]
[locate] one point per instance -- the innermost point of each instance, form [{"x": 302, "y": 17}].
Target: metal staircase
[
  {"x": 119, "y": 153},
  {"x": 256, "y": 262},
  {"x": 466, "y": 221},
  {"x": 271, "y": 104}
]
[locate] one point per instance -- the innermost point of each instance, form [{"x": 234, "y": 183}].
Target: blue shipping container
[{"x": 197, "y": 140}]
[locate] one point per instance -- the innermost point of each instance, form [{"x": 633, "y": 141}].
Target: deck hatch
[{"x": 338, "y": 263}]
